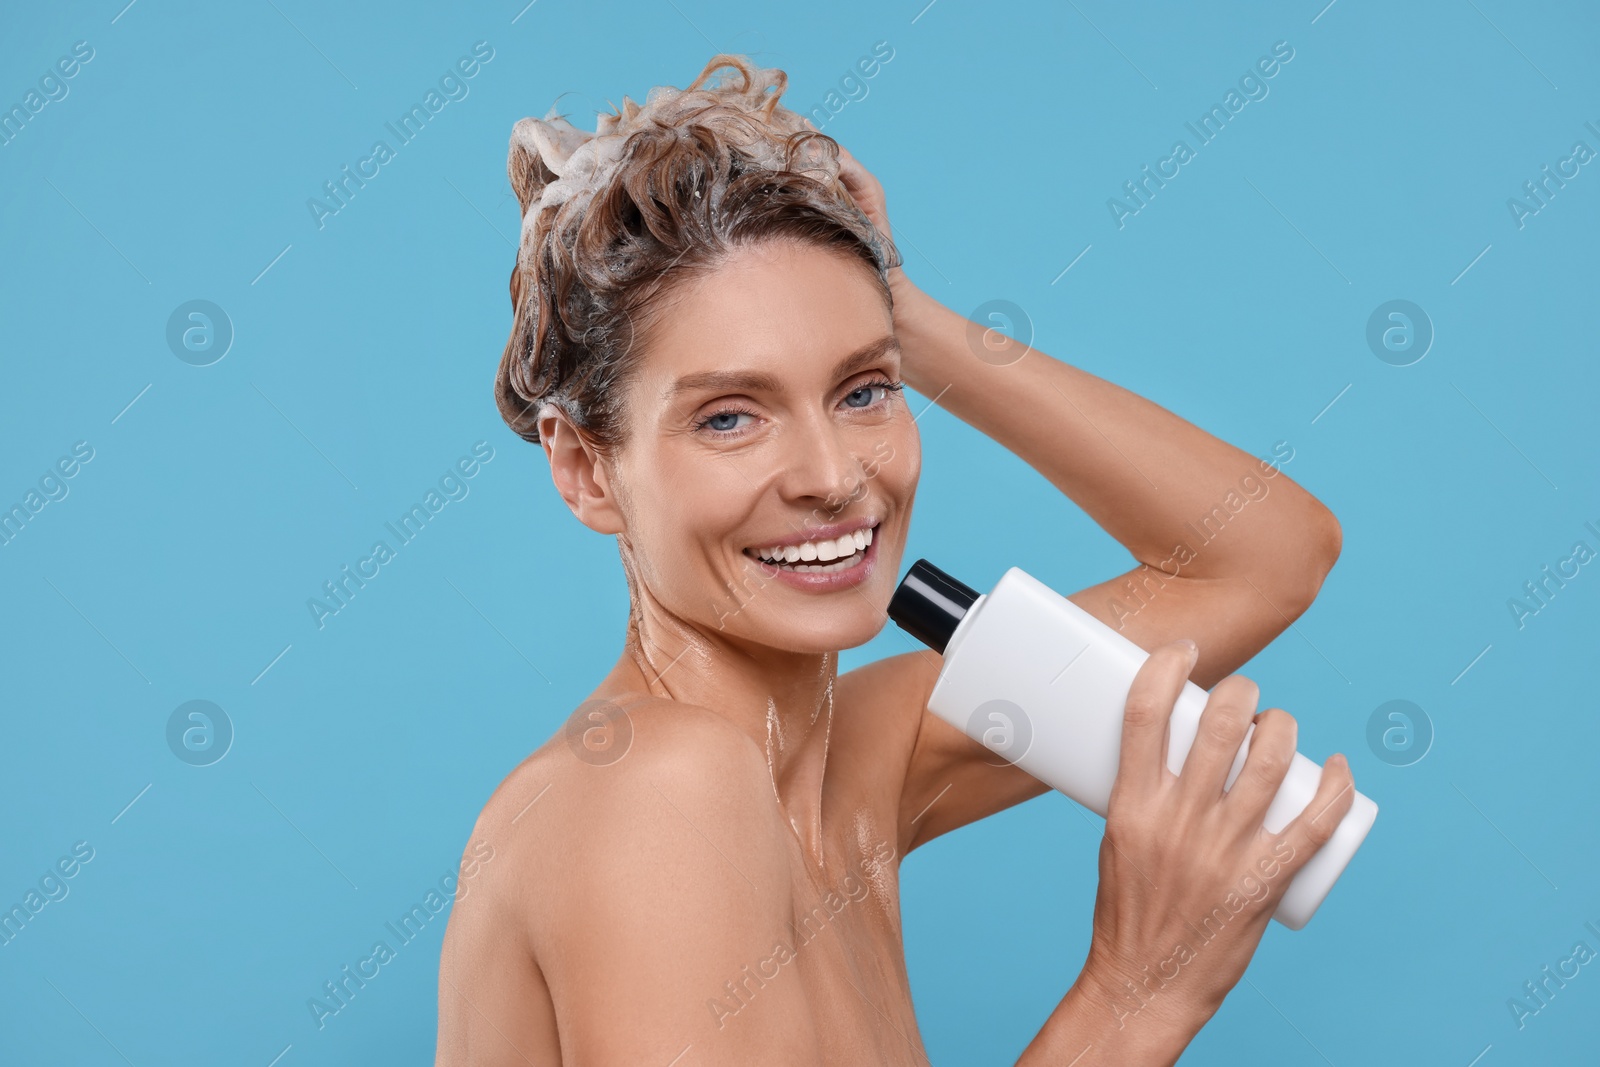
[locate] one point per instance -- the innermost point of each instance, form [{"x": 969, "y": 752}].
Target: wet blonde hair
[{"x": 612, "y": 220}]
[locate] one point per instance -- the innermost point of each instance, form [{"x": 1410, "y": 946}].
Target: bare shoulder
[
  {"x": 883, "y": 704},
  {"x": 884, "y": 711},
  {"x": 638, "y": 858},
  {"x": 908, "y": 675},
  {"x": 650, "y": 867},
  {"x": 944, "y": 779},
  {"x": 590, "y": 784},
  {"x": 887, "y": 697}
]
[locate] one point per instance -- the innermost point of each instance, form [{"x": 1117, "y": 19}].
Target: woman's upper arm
[
  {"x": 1231, "y": 619},
  {"x": 664, "y": 879}
]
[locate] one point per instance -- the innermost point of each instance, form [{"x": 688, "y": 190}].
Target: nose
[{"x": 821, "y": 468}]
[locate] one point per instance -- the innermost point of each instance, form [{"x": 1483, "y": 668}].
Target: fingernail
[{"x": 1194, "y": 649}]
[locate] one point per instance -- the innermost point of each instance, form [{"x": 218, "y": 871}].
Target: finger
[
  {"x": 1272, "y": 746},
  {"x": 1142, "y": 758},
  {"x": 851, "y": 170},
  {"x": 1217, "y": 738},
  {"x": 862, "y": 186},
  {"x": 1311, "y": 829}
]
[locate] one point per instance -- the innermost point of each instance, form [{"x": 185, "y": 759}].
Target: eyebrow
[{"x": 761, "y": 381}]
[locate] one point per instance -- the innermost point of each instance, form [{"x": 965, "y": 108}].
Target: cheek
[
  {"x": 692, "y": 507},
  {"x": 899, "y": 462}
]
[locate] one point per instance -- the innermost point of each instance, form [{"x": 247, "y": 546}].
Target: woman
[{"x": 712, "y": 333}]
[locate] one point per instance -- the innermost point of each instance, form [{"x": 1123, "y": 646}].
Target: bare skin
[{"x": 711, "y": 875}]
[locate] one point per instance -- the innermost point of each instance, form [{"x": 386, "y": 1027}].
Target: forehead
[{"x": 780, "y": 306}]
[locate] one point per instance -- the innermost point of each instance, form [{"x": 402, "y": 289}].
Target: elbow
[
  {"x": 1329, "y": 539},
  {"x": 1324, "y": 540}
]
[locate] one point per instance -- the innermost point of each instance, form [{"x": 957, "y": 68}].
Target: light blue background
[{"x": 179, "y": 566}]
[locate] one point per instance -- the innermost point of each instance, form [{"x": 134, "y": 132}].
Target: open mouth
[{"x": 827, "y": 556}]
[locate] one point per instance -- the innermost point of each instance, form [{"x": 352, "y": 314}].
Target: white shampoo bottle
[{"x": 1042, "y": 683}]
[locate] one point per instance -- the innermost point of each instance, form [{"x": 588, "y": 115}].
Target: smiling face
[{"x": 765, "y": 421}]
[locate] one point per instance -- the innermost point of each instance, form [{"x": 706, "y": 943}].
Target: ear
[{"x": 579, "y": 472}]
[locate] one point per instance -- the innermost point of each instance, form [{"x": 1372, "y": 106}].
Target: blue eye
[
  {"x": 714, "y": 421},
  {"x": 724, "y": 422},
  {"x": 866, "y": 389}
]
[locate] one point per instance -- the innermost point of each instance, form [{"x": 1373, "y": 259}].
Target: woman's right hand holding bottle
[{"x": 1189, "y": 876}]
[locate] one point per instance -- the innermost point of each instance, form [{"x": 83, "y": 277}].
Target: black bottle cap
[{"x": 929, "y": 603}]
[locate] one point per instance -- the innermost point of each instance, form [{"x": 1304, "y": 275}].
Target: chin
[
  {"x": 821, "y": 628},
  {"x": 832, "y": 640}
]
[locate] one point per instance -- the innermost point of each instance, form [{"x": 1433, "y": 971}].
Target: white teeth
[{"x": 822, "y": 552}]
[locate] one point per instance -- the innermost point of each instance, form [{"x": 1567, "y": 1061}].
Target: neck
[{"x": 783, "y": 701}]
